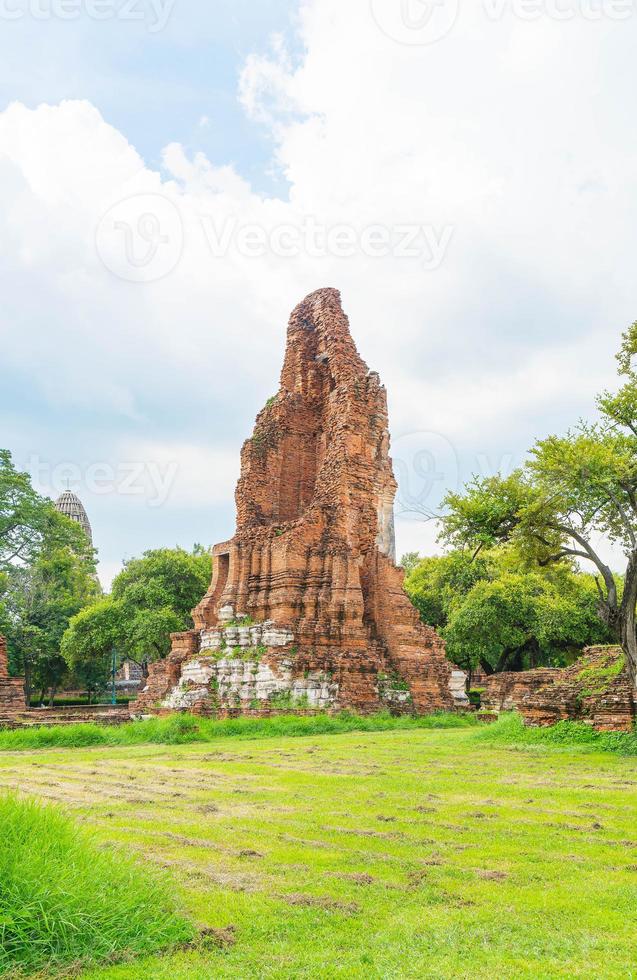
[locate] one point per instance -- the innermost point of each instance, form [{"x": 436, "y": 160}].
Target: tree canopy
[
  {"x": 151, "y": 598},
  {"x": 47, "y": 573},
  {"x": 573, "y": 491},
  {"x": 497, "y": 613},
  {"x": 30, "y": 522},
  {"x": 39, "y": 601}
]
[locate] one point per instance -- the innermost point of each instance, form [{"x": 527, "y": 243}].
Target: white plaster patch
[{"x": 247, "y": 682}]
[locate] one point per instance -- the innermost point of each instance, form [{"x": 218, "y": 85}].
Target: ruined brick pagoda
[{"x": 306, "y": 606}]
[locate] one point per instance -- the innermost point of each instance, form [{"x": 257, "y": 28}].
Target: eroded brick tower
[{"x": 306, "y": 597}]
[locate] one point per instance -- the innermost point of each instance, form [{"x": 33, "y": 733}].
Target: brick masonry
[
  {"x": 11, "y": 690},
  {"x": 306, "y": 600},
  {"x": 596, "y": 689}
]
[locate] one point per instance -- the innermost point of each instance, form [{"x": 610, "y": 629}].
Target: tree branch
[
  {"x": 592, "y": 555},
  {"x": 564, "y": 553},
  {"x": 624, "y": 517}
]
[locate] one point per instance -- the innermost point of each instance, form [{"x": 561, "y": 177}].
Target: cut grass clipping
[
  {"x": 181, "y": 729},
  {"x": 63, "y": 900}
]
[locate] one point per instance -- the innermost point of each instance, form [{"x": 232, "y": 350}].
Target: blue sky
[
  {"x": 498, "y": 161},
  {"x": 174, "y": 84}
]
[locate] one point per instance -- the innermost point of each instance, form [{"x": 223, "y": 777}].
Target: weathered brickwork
[
  {"x": 306, "y": 597},
  {"x": 11, "y": 690},
  {"x": 596, "y": 689}
]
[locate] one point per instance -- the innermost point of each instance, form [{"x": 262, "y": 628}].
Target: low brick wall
[
  {"x": 101, "y": 714},
  {"x": 596, "y": 689}
]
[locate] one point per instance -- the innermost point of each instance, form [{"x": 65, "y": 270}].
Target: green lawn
[{"x": 397, "y": 854}]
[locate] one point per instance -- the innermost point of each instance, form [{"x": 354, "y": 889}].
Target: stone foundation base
[{"x": 229, "y": 671}]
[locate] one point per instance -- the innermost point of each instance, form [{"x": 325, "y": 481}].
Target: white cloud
[
  {"x": 518, "y": 136},
  {"x": 181, "y": 474}
]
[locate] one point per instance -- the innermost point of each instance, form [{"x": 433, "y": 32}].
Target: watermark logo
[
  {"x": 426, "y": 466},
  {"x": 415, "y": 22},
  {"x": 141, "y": 238}
]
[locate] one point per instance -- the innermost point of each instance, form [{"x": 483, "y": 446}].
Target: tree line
[{"x": 62, "y": 631}]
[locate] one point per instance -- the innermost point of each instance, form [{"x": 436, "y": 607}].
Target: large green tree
[
  {"x": 574, "y": 491},
  {"x": 497, "y": 613},
  {"x": 29, "y": 522},
  {"x": 47, "y": 572},
  {"x": 151, "y": 598},
  {"x": 39, "y": 601}
]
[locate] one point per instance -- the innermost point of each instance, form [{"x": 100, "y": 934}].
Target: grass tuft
[
  {"x": 182, "y": 729},
  {"x": 64, "y": 900}
]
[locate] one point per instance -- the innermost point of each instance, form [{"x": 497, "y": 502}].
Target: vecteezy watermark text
[
  {"x": 127, "y": 478},
  {"x": 422, "y": 22},
  {"x": 315, "y": 240},
  {"x": 561, "y": 10},
  {"x": 153, "y": 13},
  {"x": 141, "y": 239}
]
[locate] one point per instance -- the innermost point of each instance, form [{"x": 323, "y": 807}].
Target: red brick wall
[
  {"x": 11, "y": 689},
  {"x": 546, "y": 696}
]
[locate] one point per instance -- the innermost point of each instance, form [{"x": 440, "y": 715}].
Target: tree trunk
[
  {"x": 628, "y": 636},
  {"x": 27, "y": 684},
  {"x": 53, "y": 692},
  {"x": 503, "y": 662}
]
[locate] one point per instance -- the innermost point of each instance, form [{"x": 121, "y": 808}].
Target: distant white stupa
[{"x": 71, "y": 506}]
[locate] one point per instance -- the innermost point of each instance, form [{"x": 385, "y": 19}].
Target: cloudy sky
[{"x": 175, "y": 175}]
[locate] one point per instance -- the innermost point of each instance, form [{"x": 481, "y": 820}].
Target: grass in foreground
[
  {"x": 182, "y": 729},
  {"x": 403, "y": 854},
  {"x": 64, "y": 900}
]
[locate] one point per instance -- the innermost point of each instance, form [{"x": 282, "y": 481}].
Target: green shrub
[
  {"x": 65, "y": 900},
  {"x": 511, "y": 730}
]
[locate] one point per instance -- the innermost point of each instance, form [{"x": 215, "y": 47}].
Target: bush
[
  {"x": 475, "y": 696},
  {"x": 511, "y": 730},
  {"x": 64, "y": 900}
]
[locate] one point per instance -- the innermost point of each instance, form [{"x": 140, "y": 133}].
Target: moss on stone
[{"x": 597, "y": 679}]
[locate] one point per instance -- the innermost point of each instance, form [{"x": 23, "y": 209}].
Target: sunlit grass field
[{"x": 416, "y": 853}]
